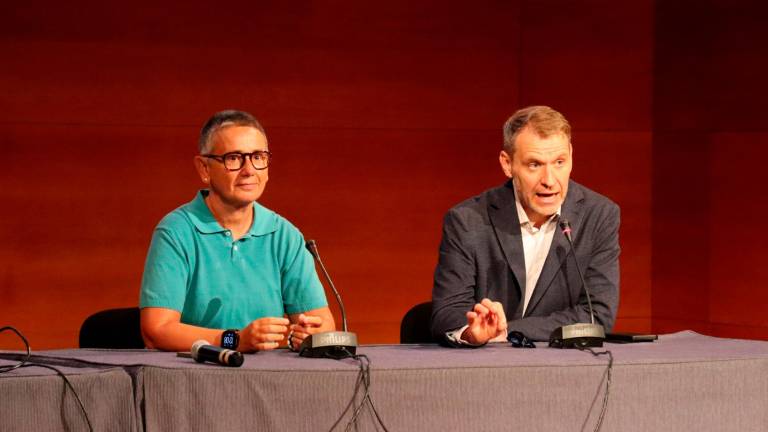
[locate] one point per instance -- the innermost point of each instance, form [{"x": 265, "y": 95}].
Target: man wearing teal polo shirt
[{"x": 224, "y": 264}]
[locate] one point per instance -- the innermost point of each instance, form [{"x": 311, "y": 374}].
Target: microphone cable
[
  {"x": 363, "y": 381},
  {"x": 607, "y": 378},
  {"x": 24, "y": 362},
  {"x": 8, "y": 368}
]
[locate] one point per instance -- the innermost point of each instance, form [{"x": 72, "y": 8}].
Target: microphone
[
  {"x": 333, "y": 344},
  {"x": 203, "y": 351},
  {"x": 579, "y": 335}
]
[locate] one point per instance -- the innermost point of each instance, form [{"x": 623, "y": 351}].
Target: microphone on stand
[
  {"x": 579, "y": 335},
  {"x": 331, "y": 344}
]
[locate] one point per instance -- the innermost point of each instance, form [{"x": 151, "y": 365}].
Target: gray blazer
[{"x": 481, "y": 255}]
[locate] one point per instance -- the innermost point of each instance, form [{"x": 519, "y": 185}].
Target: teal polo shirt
[{"x": 194, "y": 267}]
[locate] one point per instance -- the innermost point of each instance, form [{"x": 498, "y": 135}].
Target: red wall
[
  {"x": 381, "y": 117},
  {"x": 710, "y": 136}
]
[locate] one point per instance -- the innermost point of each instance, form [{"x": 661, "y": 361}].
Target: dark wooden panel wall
[
  {"x": 710, "y": 136},
  {"x": 381, "y": 117}
]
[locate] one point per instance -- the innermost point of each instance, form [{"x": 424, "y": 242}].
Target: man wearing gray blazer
[{"x": 503, "y": 255}]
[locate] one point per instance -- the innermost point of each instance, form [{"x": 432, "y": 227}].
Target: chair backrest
[
  {"x": 416, "y": 324},
  {"x": 112, "y": 328}
]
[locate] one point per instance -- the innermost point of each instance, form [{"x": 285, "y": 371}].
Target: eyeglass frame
[{"x": 221, "y": 158}]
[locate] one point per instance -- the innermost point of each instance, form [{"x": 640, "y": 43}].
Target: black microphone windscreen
[{"x": 312, "y": 248}]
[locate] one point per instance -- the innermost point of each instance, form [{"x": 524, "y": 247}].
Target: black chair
[
  {"x": 112, "y": 328},
  {"x": 415, "y": 326}
]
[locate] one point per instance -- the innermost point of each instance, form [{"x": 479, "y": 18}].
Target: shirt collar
[
  {"x": 523, "y": 217},
  {"x": 264, "y": 220}
]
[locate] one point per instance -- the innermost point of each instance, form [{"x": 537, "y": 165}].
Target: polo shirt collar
[{"x": 264, "y": 220}]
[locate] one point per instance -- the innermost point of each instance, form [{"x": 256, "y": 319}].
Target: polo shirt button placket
[{"x": 230, "y": 244}]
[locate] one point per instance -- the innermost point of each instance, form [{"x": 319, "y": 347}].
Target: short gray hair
[
  {"x": 223, "y": 119},
  {"x": 543, "y": 120}
]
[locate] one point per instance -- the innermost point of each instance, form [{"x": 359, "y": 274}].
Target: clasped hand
[
  {"x": 486, "y": 322},
  {"x": 267, "y": 333},
  {"x": 306, "y": 325}
]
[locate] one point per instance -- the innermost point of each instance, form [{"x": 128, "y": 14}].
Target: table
[
  {"x": 684, "y": 381},
  {"x": 36, "y": 399}
]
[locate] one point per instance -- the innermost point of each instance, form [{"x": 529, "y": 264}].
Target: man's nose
[
  {"x": 248, "y": 168},
  {"x": 547, "y": 176}
]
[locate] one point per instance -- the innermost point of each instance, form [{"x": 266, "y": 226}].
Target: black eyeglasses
[
  {"x": 519, "y": 340},
  {"x": 234, "y": 161}
]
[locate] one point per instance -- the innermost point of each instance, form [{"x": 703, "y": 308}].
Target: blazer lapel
[
  {"x": 559, "y": 250},
  {"x": 503, "y": 215}
]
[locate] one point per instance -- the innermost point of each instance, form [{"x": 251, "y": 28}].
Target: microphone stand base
[
  {"x": 334, "y": 344},
  {"x": 580, "y": 335}
]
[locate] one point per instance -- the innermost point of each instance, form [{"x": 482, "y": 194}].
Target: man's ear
[
  {"x": 201, "y": 166},
  {"x": 506, "y": 164}
]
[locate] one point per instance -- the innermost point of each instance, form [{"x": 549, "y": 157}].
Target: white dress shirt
[{"x": 536, "y": 244}]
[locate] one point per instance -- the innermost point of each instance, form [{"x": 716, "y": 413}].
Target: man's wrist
[
  {"x": 457, "y": 337},
  {"x": 466, "y": 336},
  {"x": 230, "y": 339}
]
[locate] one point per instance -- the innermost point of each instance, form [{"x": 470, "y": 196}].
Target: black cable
[
  {"x": 26, "y": 363},
  {"x": 8, "y": 368},
  {"x": 71, "y": 388},
  {"x": 363, "y": 379},
  {"x": 608, "y": 372},
  {"x": 358, "y": 381},
  {"x": 366, "y": 366}
]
